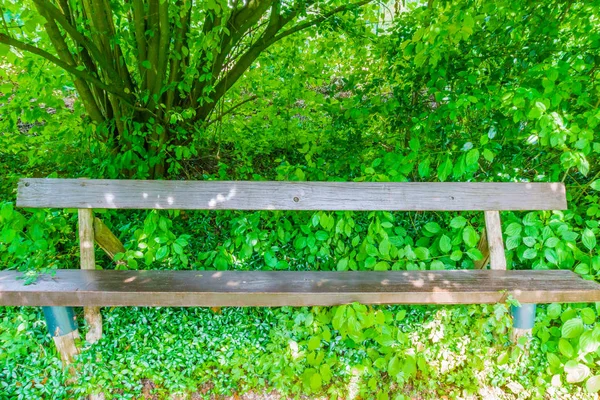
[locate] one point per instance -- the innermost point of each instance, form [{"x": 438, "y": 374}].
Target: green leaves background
[{"x": 464, "y": 91}]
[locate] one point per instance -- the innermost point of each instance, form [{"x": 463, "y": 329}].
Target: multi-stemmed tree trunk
[{"x": 156, "y": 69}]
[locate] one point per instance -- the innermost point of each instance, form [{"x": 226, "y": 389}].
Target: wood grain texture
[
  {"x": 493, "y": 229},
  {"x": 88, "y": 262},
  {"x": 245, "y": 195},
  {"x": 66, "y": 347},
  {"x": 279, "y": 288},
  {"x": 86, "y": 238}
]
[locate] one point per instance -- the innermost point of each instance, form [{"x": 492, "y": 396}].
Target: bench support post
[
  {"x": 63, "y": 329},
  {"x": 491, "y": 244},
  {"x": 523, "y": 320},
  {"x": 492, "y": 247},
  {"x": 88, "y": 261}
]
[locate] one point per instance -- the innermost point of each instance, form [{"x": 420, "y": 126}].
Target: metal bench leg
[
  {"x": 62, "y": 326},
  {"x": 523, "y": 320}
]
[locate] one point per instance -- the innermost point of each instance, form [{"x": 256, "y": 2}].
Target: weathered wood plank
[
  {"x": 278, "y": 288},
  {"x": 244, "y": 195},
  {"x": 86, "y": 238},
  {"x": 493, "y": 229},
  {"x": 88, "y": 262}
]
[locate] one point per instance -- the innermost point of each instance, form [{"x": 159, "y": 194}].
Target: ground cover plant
[{"x": 498, "y": 91}]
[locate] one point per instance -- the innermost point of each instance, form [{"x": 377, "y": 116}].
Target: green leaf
[
  {"x": 6, "y": 211},
  {"x": 565, "y": 348},
  {"x": 384, "y": 247},
  {"x": 437, "y": 266},
  {"x": 370, "y": 262},
  {"x": 381, "y": 266},
  {"x": 472, "y": 157},
  {"x": 162, "y": 252},
  {"x": 529, "y": 241},
  {"x": 513, "y": 229},
  {"x": 537, "y": 110},
  {"x": 503, "y": 358},
  {"x": 339, "y": 317},
  {"x": 587, "y": 343},
  {"x": 146, "y": 64},
  {"x": 410, "y": 366},
  {"x": 488, "y": 155},
  {"x": 325, "y": 372},
  {"x": 554, "y": 310},
  {"x": 588, "y": 316},
  {"x": 530, "y": 254},
  {"x": 314, "y": 343},
  {"x": 576, "y": 372},
  {"x": 177, "y": 248},
  {"x": 424, "y": 168},
  {"x": 553, "y": 360},
  {"x": 342, "y": 265},
  {"x": 512, "y": 242},
  {"x": 316, "y": 382},
  {"x": 595, "y": 185},
  {"x": 572, "y": 328},
  {"x": 371, "y": 250},
  {"x": 593, "y": 384},
  {"x": 394, "y": 366},
  {"x": 551, "y": 256},
  {"x": 458, "y": 222},
  {"x": 470, "y": 237},
  {"x": 582, "y": 269},
  {"x": 444, "y": 169},
  {"x": 445, "y": 244},
  {"x": 322, "y": 235},
  {"x": 474, "y": 254},
  {"x": 422, "y": 253},
  {"x": 270, "y": 259},
  {"x": 456, "y": 255},
  {"x": 589, "y": 239},
  {"x": 432, "y": 227}
]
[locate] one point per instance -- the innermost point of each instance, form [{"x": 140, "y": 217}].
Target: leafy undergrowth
[
  {"x": 464, "y": 91},
  {"x": 349, "y": 352}
]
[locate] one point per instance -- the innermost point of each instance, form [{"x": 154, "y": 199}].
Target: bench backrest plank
[{"x": 268, "y": 195}]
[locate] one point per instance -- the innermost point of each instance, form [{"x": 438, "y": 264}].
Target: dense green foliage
[
  {"x": 150, "y": 73},
  {"x": 461, "y": 91}
]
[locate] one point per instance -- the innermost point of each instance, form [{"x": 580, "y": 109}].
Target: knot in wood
[{"x": 296, "y": 199}]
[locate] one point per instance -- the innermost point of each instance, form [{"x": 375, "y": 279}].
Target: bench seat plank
[
  {"x": 282, "y": 288},
  {"x": 255, "y": 195}
]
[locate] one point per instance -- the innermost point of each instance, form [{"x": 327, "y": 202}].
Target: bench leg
[
  {"x": 63, "y": 329},
  {"x": 523, "y": 320}
]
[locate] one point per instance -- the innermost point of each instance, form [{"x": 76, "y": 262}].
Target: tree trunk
[{"x": 140, "y": 66}]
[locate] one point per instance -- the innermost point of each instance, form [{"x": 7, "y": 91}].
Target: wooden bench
[{"x": 94, "y": 288}]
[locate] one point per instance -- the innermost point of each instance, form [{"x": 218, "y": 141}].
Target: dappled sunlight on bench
[
  {"x": 286, "y": 195},
  {"x": 293, "y": 288}
]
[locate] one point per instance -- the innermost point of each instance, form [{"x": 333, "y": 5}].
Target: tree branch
[
  {"x": 320, "y": 19},
  {"x": 67, "y": 67},
  {"x": 268, "y": 37},
  {"x": 80, "y": 39},
  {"x": 220, "y": 117},
  {"x": 238, "y": 23},
  {"x": 139, "y": 32}
]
